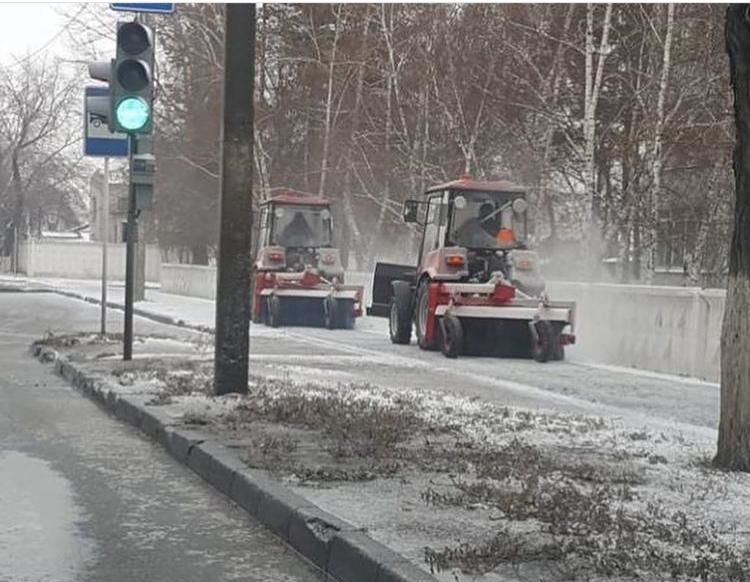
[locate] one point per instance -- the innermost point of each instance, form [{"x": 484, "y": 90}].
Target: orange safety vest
[{"x": 505, "y": 235}]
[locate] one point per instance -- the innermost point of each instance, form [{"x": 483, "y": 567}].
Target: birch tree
[
  {"x": 593, "y": 85},
  {"x": 654, "y": 198}
]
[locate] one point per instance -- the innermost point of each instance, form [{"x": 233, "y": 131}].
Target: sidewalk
[{"x": 192, "y": 312}]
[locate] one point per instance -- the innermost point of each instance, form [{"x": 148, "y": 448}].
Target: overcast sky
[
  {"x": 40, "y": 28},
  {"x": 27, "y": 27}
]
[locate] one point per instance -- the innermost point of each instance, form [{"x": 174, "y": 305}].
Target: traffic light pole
[
  {"x": 104, "y": 210},
  {"x": 131, "y": 237},
  {"x": 231, "y": 357}
]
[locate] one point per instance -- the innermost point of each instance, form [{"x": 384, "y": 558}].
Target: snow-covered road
[{"x": 366, "y": 355}]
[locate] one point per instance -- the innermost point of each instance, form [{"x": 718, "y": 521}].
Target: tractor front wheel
[
  {"x": 452, "y": 338},
  {"x": 345, "y": 314},
  {"x": 422, "y": 314},
  {"x": 399, "y": 321}
]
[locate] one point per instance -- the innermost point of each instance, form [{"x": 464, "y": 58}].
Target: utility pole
[
  {"x": 235, "y": 259},
  {"x": 104, "y": 209}
]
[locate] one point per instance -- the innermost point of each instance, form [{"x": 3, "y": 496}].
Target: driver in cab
[
  {"x": 297, "y": 233},
  {"x": 487, "y": 229}
]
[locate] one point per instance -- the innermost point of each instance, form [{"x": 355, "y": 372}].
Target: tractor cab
[
  {"x": 299, "y": 276},
  {"x": 476, "y": 287},
  {"x": 296, "y": 232},
  {"x": 473, "y": 231}
]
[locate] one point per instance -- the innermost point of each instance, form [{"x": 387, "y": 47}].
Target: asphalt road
[{"x": 84, "y": 498}]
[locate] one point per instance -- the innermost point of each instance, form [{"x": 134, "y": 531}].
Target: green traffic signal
[
  {"x": 132, "y": 79},
  {"x": 132, "y": 113}
]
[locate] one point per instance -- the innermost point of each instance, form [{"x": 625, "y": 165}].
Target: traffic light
[{"x": 131, "y": 79}]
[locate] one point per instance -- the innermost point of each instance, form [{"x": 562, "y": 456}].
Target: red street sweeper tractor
[
  {"x": 476, "y": 288},
  {"x": 298, "y": 274}
]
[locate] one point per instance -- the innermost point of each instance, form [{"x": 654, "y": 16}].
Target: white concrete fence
[
  {"x": 79, "y": 259},
  {"x": 192, "y": 280},
  {"x": 674, "y": 330}
]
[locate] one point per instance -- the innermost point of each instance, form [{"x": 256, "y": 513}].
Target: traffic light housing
[
  {"x": 132, "y": 79},
  {"x": 101, "y": 105}
]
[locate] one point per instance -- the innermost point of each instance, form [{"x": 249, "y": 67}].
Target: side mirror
[{"x": 410, "y": 211}]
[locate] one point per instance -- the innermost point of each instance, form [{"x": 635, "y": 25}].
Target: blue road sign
[
  {"x": 162, "y": 8},
  {"x": 98, "y": 140}
]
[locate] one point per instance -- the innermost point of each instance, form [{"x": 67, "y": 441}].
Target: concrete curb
[
  {"x": 339, "y": 549},
  {"x": 21, "y": 287},
  {"x": 157, "y": 317}
]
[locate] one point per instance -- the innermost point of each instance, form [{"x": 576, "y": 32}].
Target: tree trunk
[
  {"x": 18, "y": 210},
  {"x": 329, "y": 106},
  {"x": 652, "y": 210},
  {"x": 200, "y": 254},
  {"x": 734, "y": 421},
  {"x": 593, "y": 84},
  {"x": 546, "y": 199},
  {"x": 352, "y": 237}
]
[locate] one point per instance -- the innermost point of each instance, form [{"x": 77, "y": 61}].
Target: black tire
[
  {"x": 399, "y": 320},
  {"x": 259, "y": 317},
  {"x": 330, "y": 313},
  {"x": 420, "y": 313},
  {"x": 542, "y": 349},
  {"x": 558, "y": 350},
  {"x": 452, "y": 336},
  {"x": 274, "y": 311},
  {"x": 345, "y": 314}
]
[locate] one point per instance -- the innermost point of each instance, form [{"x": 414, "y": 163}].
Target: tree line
[{"x": 616, "y": 117}]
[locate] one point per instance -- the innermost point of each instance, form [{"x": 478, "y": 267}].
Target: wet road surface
[{"x": 85, "y": 498}]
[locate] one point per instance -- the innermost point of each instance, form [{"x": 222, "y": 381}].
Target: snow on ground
[
  {"x": 438, "y": 475},
  {"x": 599, "y": 427}
]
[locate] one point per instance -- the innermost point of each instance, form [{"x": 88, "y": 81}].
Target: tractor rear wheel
[
  {"x": 543, "y": 346},
  {"x": 452, "y": 337},
  {"x": 274, "y": 311},
  {"x": 345, "y": 313},
  {"x": 399, "y": 321},
  {"x": 422, "y": 313}
]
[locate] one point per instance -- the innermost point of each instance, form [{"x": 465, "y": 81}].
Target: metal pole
[
  {"x": 104, "y": 209},
  {"x": 131, "y": 237},
  {"x": 234, "y": 260}
]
